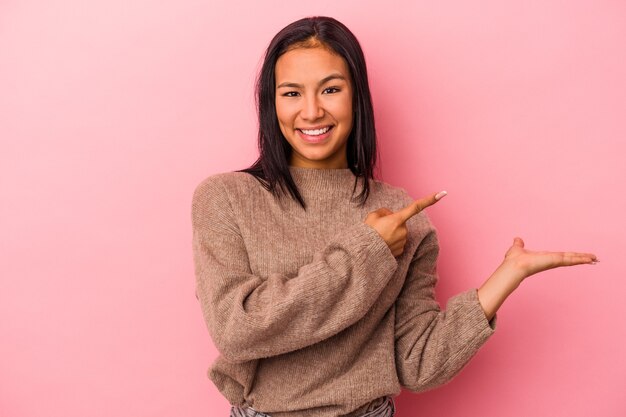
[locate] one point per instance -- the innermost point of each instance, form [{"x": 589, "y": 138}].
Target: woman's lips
[{"x": 314, "y": 138}]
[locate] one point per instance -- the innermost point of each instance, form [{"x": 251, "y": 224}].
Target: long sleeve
[
  {"x": 250, "y": 316},
  {"x": 432, "y": 346}
]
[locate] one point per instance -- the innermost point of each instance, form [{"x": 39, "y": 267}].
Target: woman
[{"x": 316, "y": 281}]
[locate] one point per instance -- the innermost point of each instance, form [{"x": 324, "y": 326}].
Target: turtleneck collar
[{"x": 324, "y": 181}]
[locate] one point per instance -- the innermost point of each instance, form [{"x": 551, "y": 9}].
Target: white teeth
[{"x": 316, "y": 132}]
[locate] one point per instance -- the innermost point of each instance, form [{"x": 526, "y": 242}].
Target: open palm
[{"x": 532, "y": 262}]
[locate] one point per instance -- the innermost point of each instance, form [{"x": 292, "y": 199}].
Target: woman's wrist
[{"x": 504, "y": 280}]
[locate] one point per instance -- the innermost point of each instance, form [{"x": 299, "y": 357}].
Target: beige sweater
[{"x": 310, "y": 311}]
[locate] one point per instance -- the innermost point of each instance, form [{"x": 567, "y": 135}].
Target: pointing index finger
[{"x": 418, "y": 205}]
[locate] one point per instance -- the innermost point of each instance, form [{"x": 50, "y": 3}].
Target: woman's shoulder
[
  {"x": 220, "y": 188},
  {"x": 219, "y": 181},
  {"x": 392, "y": 193}
]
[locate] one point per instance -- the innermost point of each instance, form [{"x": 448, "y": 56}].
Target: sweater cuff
[
  {"x": 476, "y": 319},
  {"x": 377, "y": 245},
  {"x": 378, "y": 260}
]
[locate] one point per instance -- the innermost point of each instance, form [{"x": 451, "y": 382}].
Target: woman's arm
[
  {"x": 433, "y": 345},
  {"x": 251, "y": 316}
]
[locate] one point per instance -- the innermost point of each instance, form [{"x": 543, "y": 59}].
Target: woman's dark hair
[{"x": 272, "y": 166}]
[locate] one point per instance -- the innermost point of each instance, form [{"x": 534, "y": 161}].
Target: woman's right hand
[{"x": 391, "y": 226}]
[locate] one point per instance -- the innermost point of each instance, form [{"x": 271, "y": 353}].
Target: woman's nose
[{"x": 312, "y": 109}]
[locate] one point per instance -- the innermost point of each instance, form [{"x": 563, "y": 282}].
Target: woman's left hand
[
  {"x": 527, "y": 262},
  {"x": 518, "y": 264}
]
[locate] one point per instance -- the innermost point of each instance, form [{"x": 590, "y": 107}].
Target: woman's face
[{"x": 314, "y": 106}]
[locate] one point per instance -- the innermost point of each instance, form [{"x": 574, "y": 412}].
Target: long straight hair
[{"x": 272, "y": 166}]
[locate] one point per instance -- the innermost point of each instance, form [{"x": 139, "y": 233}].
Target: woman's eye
[
  {"x": 331, "y": 90},
  {"x": 291, "y": 94}
]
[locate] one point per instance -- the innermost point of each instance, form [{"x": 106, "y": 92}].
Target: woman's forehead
[{"x": 310, "y": 63}]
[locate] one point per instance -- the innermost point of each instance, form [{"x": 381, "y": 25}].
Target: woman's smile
[{"x": 315, "y": 135}]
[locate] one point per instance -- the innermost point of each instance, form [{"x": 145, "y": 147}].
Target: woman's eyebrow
[{"x": 322, "y": 81}]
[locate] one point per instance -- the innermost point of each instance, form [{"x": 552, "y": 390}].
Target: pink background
[{"x": 111, "y": 113}]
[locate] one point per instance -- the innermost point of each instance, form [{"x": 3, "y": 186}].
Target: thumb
[
  {"x": 381, "y": 212},
  {"x": 518, "y": 242},
  {"x": 384, "y": 211}
]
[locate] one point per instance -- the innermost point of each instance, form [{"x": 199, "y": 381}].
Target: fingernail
[{"x": 441, "y": 195}]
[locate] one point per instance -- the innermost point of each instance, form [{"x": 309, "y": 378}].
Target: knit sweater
[{"x": 310, "y": 311}]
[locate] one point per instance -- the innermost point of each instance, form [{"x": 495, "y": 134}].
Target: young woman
[{"x": 316, "y": 280}]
